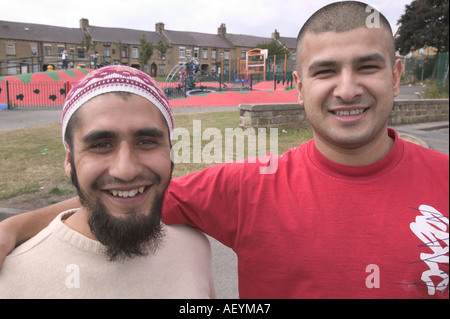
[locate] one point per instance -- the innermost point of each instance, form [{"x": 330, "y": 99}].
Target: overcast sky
[{"x": 251, "y": 17}]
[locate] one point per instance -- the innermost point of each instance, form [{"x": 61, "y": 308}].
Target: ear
[
  {"x": 298, "y": 85},
  {"x": 67, "y": 165},
  {"x": 397, "y": 76}
]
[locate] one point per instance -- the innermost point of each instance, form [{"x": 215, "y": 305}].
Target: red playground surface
[
  {"x": 233, "y": 98},
  {"x": 48, "y": 88}
]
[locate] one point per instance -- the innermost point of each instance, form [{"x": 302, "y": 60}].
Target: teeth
[
  {"x": 348, "y": 112},
  {"x": 130, "y": 193}
]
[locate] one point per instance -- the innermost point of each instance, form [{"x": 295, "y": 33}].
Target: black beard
[{"x": 135, "y": 235}]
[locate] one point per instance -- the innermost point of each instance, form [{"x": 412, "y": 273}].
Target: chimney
[
  {"x": 159, "y": 27},
  {"x": 84, "y": 24},
  {"x": 222, "y": 30},
  {"x": 276, "y": 35}
]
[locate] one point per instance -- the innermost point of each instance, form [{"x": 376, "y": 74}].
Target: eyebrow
[
  {"x": 371, "y": 57},
  {"x": 104, "y": 134},
  {"x": 98, "y": 135},
  {"x": 152, "y": 132},
  {"x": 375, "y": 57}
]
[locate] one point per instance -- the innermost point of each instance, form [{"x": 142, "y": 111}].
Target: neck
[
  {"x": 366, "y": 154},
  {"x": 79, "y": 222}
]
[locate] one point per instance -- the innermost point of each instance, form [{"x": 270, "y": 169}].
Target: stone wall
[
  {"x": 419, "y": 111},
  {"x": 282, "y": 114}
]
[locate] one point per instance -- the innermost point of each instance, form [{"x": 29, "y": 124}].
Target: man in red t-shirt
[{"x": 354, "y": 213}]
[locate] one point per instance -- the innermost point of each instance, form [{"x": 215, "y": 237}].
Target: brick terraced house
[{"x": 27, "y": 47}]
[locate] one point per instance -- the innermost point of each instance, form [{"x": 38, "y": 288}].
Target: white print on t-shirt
[{"x": 432, "y": 228}]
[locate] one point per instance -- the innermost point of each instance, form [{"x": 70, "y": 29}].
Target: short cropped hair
[{"x": 345, "y": 16}]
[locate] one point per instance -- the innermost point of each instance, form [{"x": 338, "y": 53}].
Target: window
[
  {"x": 188, "y": 53},
  {"x": 227, "y": 55},
  {"x": 213, "y": 54},
  {"x": 33, "y": 49},
  {"x": 135, "y": 53},
  {"x": 205, "y": 54},
  {"x": 81, "y": 53},
  {"x": 47, "y": 50},
  {"x": 182, "y": 52},
  {"x": 106, "y": 51},
  {"x": 124, "y": 51},
  {"x": 243, "y": 55},
  {"x": 12, "y": 69},
  {"x": 196, "y": 52},
  {"x": 10, "y": 49}
]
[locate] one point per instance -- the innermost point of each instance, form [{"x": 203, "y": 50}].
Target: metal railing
[
  {"x": 37, "y": 94},
  {"x": 38, "y": 63}
]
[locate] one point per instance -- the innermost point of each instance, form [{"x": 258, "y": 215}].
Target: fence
[
  {"x": 38, "y": 63},
  {"x": 37, "y": 94},
  {"x": 278, "y": 67},
  {"x": 231, "y": 75},
  {"x": 422, "y": 67}
]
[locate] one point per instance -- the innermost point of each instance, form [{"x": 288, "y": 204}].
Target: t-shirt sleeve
[{"x": 207, "y": 200}]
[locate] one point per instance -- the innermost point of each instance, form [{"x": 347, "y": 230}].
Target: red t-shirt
[{"x": 317, "y": 229}]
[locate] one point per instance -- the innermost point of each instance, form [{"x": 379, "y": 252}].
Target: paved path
[
  {"x": 19, "y": 118},
  {"x": 434, "y": 134}
]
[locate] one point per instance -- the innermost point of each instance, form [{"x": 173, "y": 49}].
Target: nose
[
  {"x": 125, "y": 164},
  {"x": 347, "y": 87}
]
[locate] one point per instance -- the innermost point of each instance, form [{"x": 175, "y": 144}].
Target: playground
[
  {"x": 257, "y": 72},
  {"x": 256, "y": 79}
]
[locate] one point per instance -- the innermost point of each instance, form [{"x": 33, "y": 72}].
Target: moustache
[
  {"x": 364, "y": 100},
  {"x": 145, "y": 178}
]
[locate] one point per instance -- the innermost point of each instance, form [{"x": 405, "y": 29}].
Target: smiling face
[
  {"x": 347, "y": 82},
  {"x": 121, "y": 153},
  {"x": 120, "y": 162}
]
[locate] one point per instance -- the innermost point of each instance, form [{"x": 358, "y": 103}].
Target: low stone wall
[
  {"x": 419, "y": 111},
  {"x": 283, "y": 114},
  {"x": 271, "y": 115}
]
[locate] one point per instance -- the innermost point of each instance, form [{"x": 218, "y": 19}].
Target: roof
[
  {"x": 39, "y": 32},
  {"x": 290, "y": 43},
  {"x": 46, "y": 33},
  {"x": 242, "y": 40},
  {"x": 127, "y": 36},
  {"x": 197, "y": 39}
]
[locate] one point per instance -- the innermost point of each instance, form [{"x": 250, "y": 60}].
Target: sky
[{"x": 250, "y": 17}]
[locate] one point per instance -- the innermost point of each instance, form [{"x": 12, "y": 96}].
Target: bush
[{"x": 436, "y": 92}]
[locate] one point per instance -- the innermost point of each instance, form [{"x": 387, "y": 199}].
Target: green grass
[
  {"x": 29, "y": 156},
  {"x": 32, "y": 155},
  {"x": 436, "y": 92}
]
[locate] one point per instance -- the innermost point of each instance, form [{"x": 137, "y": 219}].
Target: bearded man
[{"x": 116, "y": 128}]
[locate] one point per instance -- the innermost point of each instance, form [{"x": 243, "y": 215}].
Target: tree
[
  {"x": 86, "y": 42},
  {"x": 424, "y": 23},
  {"x": 162, "y": 48},
  {"x": 145, "y": 52},
  {"x": 273, "y": 48}
]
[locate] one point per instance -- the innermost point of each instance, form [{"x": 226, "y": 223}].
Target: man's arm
[{"x": 17, "y": 229}]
